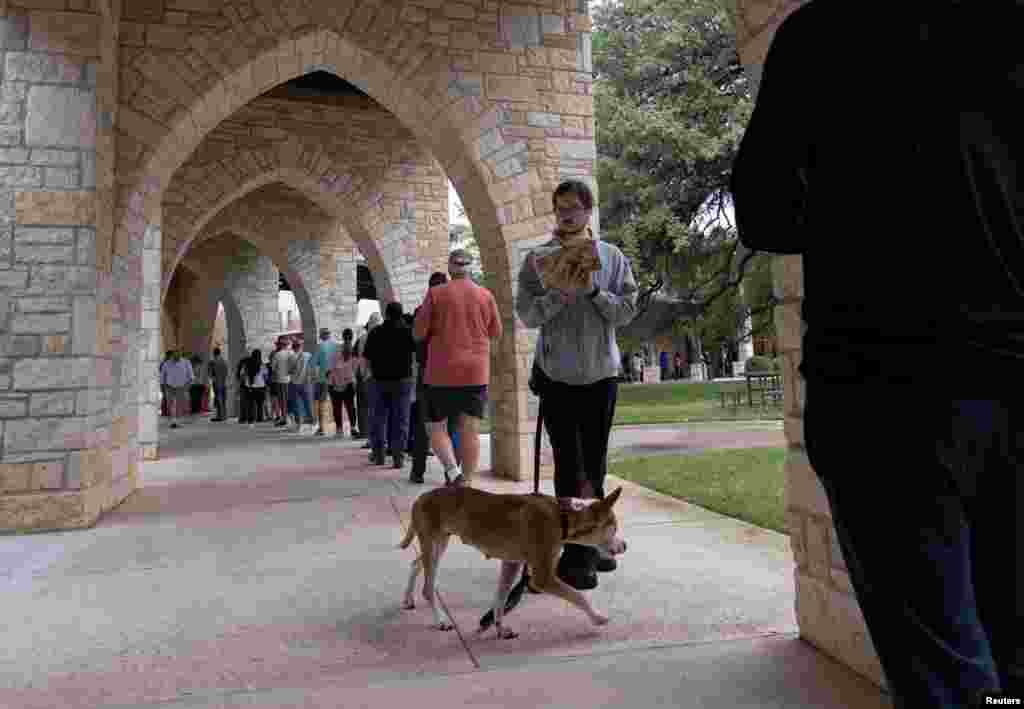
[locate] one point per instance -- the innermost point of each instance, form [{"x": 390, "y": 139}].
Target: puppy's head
[{"x": 599, "y": 527}]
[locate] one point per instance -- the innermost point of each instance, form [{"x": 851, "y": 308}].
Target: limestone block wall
[
  {"x": 66, "y": 449},
  {"x": 338, "y": 285},
  {"x": 252, "y": 284},
  {"x": 827, "y": 610},
  {"x": 353, "y": 159}
]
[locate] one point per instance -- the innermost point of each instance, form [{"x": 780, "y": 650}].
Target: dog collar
[{"x": 565, "y": 526}]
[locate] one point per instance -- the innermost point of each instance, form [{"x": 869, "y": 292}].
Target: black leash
[{"x": 516, "y": 594}]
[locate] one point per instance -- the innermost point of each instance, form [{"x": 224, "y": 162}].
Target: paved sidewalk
[{"x": 259, "y": 569}]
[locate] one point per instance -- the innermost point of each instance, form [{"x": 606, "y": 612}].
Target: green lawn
[
  {"x": 746, "y": 484},
  {"x": 679, "y": 402},
  {"x": 683, "y": 402}
]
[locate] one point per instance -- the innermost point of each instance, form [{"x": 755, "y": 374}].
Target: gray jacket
[{"x": 577, "y": 342}]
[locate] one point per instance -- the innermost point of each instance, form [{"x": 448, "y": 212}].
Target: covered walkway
[{"x": 257, "y": 569}]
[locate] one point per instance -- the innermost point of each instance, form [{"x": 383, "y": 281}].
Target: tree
[
  {"x": 671, "y": 102},
  {"x": 461, "y": 236}
]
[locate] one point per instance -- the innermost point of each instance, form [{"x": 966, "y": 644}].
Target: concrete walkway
[{"x": 259, "y": 569}]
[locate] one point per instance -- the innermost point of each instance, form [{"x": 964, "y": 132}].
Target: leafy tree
[
  {"x": 671, "y": 102},
  {"x": 461, "y": 236}
]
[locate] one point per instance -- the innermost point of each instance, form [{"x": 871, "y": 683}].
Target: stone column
[
  {"x": 253, "y": 285},
  {"x": 68, "y": 448}
]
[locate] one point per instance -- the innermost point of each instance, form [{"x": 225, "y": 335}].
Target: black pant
[
  {"x": 257, "y": 396},
  {"x": 346, "y": 398},
  {"x": 578, "y": 420},
  {"x": 243, "y": 404},
  {"x": 196, "y": 396},
  {"x": 363, "y": 406},
  {"x": 420, "y": 436},
  {"x": 928, "y": 520}
]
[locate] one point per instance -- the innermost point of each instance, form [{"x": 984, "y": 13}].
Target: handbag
[{"x": 539, "y": 383}]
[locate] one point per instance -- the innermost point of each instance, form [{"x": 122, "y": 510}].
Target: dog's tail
[{"x": 409, "y": 536}]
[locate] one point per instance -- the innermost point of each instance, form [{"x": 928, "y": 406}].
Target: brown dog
[{"x": 517, "y": 529}]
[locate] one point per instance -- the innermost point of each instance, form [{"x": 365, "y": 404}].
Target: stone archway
[
  {"x": 461, "y": 133},
  {"x": 225, "y": 215},
  {"x": 500, "y": 96}
]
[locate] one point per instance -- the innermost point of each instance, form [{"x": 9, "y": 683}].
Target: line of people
[{"x": 292, "y": 387}]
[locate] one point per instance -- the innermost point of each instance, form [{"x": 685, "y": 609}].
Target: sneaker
[
  {"x": 318, "y": 432},
  {"x": 174, "y": 425},
  {"x": 252, "y": 425},
  {"x": 606, "y": 564},
  {"x": 454, "y": 476},
  {"x": 399, "y": 461}
]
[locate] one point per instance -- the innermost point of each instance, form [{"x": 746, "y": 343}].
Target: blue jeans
[
  {"x": 220, "y": 400},
  {"x": 924, "y": 517},
  {"x": 453, "y": 433},
  {"x": 300, "y": 402},
  {"x": 391, "y": 406}
]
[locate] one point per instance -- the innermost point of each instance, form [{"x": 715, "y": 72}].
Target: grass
[
  {"x": 684, "y": 402},
  {"x": 679, "y": 402},
  {"x": 746, "y": 484}
]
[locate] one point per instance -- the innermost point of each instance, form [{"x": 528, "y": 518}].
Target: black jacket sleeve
[{"x": 769, "y": 178}]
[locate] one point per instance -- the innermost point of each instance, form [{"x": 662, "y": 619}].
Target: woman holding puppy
[{"x": 577, "y": 291}]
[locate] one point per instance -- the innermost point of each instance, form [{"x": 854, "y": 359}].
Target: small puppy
[{"x": 517, "y": 529}]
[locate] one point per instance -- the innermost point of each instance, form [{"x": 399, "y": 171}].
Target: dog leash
[
  {"x": 516, "y": 594},
  {"x": 437, "y": 593}
]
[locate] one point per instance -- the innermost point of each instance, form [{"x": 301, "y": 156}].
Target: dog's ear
[{"x": 613, "y": 498}]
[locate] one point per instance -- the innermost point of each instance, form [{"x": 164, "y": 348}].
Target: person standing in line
[
  {"x": 302, "y": 376},
  {"x": 256, "y": 379},
  {"x": 219, "y": 376},
  {"x": 678, "y": 363},
  {"x": 927, "y": 506},
  {"x": 327, "y": 352},
  {"x": 457, "y": 321},
  {"x": 342, "y": 382},
  {"x": 348, "y": 339},
  {"x": 663, "y": 365},
  {"x": 364, "y": 383},
  {"x": 243, "y": 389},
  {"x": 177, "y": 377},
  {"x": 280, "y": 367},
  {"x": 576, "y": 364},
  {"x": 422, "y": 444},
  {"x": 390, "y": 350},
  {"x": 165, "y": 408},
  {"x": 200, "y": 382}
]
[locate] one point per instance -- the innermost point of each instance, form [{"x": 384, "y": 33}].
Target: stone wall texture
[{"x": 133, "y": 133}]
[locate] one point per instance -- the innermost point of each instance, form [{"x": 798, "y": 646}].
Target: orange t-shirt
[{"x": 458, "y": 320}]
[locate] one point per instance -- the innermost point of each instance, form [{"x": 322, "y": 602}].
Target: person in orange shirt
[{"x": 458, "y": 320}]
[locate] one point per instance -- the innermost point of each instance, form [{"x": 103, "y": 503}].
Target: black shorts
[{"x": 448, "y": 402}]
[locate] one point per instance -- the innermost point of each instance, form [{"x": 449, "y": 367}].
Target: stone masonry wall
[
  {"x": 389, "y": 192},
  {"x": 253, "y": 285},
  {"x": 827, "y": 610},
  {"x": 67, "y": 451}
]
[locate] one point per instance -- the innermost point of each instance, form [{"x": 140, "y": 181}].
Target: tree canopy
[{"x": 671, "y": 101}]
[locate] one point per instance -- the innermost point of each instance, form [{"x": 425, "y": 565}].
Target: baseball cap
[{"x": 460, "y": 257}]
